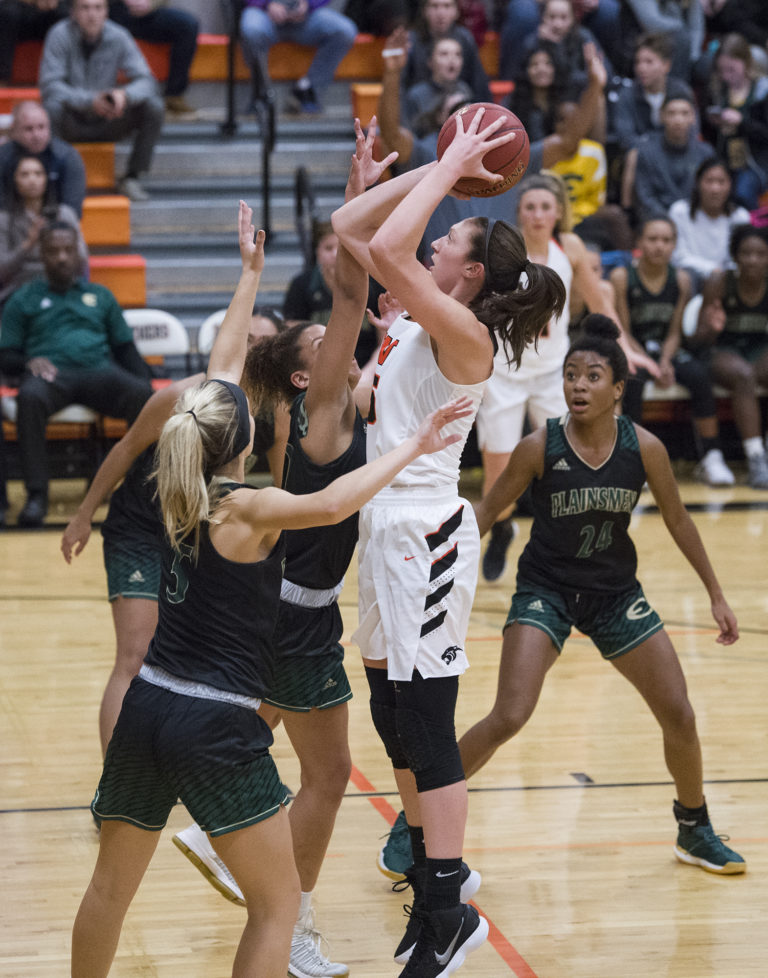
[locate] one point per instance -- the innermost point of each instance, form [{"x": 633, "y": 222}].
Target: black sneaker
[
  {"x": 470, "y": 884},
  {"x": 446, "y": 938},
  {"x": 303, "y": 101},
  {"x": 34, "y": 510},
  {"x": 495, "y": 557}
]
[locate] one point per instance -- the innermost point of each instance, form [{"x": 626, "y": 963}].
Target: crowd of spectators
[{"x": 649, "y": 110}]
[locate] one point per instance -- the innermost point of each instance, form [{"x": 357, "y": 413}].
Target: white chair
[
  {"x": 157, "y": 333},
  {"x": 208, "y": 330}
]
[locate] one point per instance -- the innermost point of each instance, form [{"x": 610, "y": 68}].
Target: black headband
[{"x": 243, "y": 432}]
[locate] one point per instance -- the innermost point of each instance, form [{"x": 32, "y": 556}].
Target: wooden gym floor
[{"x": 570, "y": 824}]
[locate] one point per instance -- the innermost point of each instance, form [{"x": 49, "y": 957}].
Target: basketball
[{"x": 510, "y": 160}]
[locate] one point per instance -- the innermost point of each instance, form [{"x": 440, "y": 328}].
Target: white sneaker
[
  {"x": 307, "y": 960},
  {"x": 195, "y": 845},
  {"x": 713, "y": 470}
]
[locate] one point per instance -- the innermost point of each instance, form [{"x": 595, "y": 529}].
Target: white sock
[
  {"x": 304, "y": 908},
  {"x": 753, "y": 446}
]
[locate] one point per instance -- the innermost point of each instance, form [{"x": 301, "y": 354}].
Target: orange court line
[{"x": 497, "y": 940}]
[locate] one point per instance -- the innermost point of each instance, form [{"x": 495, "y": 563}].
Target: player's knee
[
  {"x": 382, "y": 704},
  {"x": 507, "y": 719},
  {"x": 330, "y": 779},
  {"x": 680, "y": 719},
  {"x": 430, "y": 748}
]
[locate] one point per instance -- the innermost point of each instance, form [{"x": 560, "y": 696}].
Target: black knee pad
[
  {"x": 383, "y": 714},
  {"x": 427, "y": 733}
]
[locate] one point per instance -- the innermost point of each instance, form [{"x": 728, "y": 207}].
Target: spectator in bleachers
[
  {"x": 31, "y": 133},
  {"x": 21, "y": 221},
  {"x": 667, "y": 160},
  {"x": 70, "y": 344},
  {"x": 559, "y": 28},
  {"x": 682, "y": 20},
  {"x": 705, "y": 221},
  {"x": 651, "y": 295},
  {"x": 24, "y": 20},
  {"x": 312, "y": 22},
  {"x": 585, "y": 175},
  {"x": 310, "y": 293},
  {"x": 736, "y": 119},
  {"x": 153, "y": 20},
  {"x": 85, "y": 59},
  {"x": 522, "y": 19},
  {"x": 637, "y": 108},
  {"x": 438, "y": 19},
  {"x": 733, "y": 327},
  {"x": 539, "y": 89},
  {"x": 445, "y": 61}
]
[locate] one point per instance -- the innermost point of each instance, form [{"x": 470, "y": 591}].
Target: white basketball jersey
[{"x": 408, "y": 386}]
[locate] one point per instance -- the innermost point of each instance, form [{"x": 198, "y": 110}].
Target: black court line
[
  {"x": 738, "y": 506},
  {"x": 580, "y": 786}
]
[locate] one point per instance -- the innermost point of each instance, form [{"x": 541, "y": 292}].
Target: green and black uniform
[
  {"x": 309, "y": 669},
  {"x": 188, "y": 727},
  {"x": 650, "y": 314},
  {"x": 579, "y": 566},
  {"x": 746, "y": 327}
]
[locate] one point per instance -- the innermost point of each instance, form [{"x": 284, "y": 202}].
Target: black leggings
[{"x": 690, "y": 372}]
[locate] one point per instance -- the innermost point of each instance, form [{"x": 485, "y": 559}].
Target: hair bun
[{"x": 595, "y": 324}]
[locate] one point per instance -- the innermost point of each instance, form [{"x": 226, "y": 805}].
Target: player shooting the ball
[{"x": 416, "y": 593}]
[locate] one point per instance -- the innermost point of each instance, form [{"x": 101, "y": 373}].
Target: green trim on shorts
[
  {"x": 616, "y": 623},
  {"x": 273, "y": 810}
]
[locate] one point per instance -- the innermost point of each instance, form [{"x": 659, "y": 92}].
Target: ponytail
[
  {"x": 195, "y": 441},
  {"x": 515, "y": 310}
]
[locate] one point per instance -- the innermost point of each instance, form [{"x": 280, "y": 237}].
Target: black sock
[
  {"x": 443, "y": 883},
  {"x": 708, "y": 444},
  {"x": 417, "y": 845},
  {"x": 691, "y": 817}
]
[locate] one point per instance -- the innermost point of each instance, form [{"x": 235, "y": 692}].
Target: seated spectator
[
  {"x": 414, "y": 151},
  {"x": 24, "y": 20},
  {"x": 31, "y": 133},
  {"x": 85, "y": 59},
  {"x": 559, "y": 28},
  {"x": 522, "y": 20},
  {"x": 312, "y": 22},
  {"x": 733, "y": 327},
  {"x": 445, "y": 61},
  {"x": 705, "y": 221},
  {"x": 310, "y": 293},
  {"x": 736, "y": 119},
  {"x": 152, "y": 20},
  {"x": 539, "y": 90},
  {"x": 29, "y": 210},
  {"x": 637, "y": 108},
  {"x": 650, "y": 298},
  {"x": 70, "y": 344},
  {"x": 438, "y": 19},
  {"x": 682, "y": 20},
  {"x": 585, "y": 175},
  {"x": 667, "y": 160}
]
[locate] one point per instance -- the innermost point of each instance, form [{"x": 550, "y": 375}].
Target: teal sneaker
[
  {"x": 396, "y": 856},
  {"x": 699, "y": 846}
]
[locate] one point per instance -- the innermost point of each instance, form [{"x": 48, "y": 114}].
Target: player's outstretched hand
[
  {"x": 251, "y": 241},
  {"x": 365, "y": 171},
  {"x": 429, "y": 436}
]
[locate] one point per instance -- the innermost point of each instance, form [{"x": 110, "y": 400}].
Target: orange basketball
[{"x": 510, "y": 160}]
